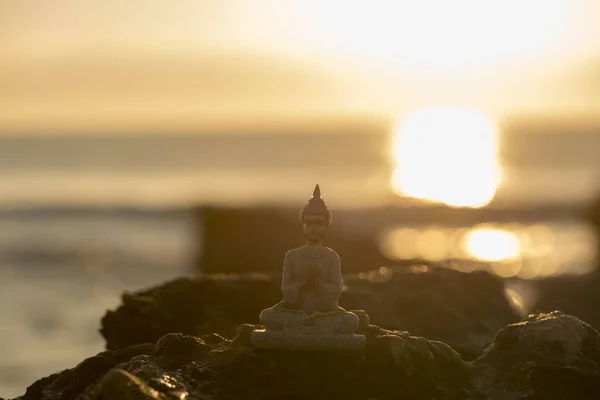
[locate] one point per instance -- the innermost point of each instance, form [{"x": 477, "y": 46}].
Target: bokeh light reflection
[
  {"x": 400, "y": 244},
  {"x": 432, "y": 244},
  {"x": 506, "y": 250},
  {"x": 492, "y": 244}
]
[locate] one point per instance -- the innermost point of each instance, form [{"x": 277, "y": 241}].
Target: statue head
[{"x": 316, "y": 218}]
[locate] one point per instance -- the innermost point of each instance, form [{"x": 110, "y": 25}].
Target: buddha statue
[{"x": 309, "y": 316}]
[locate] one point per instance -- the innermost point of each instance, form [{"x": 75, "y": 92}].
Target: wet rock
[
  {"x": 71, "y": 382},
  {"x": 462, "y": 310},
  {"x": 394, "y": 365},
  {"x": 119, "y": 384},
  {"x": 176, "y": 345},
  {"x": 546, "y": 356}
]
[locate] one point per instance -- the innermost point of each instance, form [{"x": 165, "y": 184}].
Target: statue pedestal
[{"x": 302, "y": 340}]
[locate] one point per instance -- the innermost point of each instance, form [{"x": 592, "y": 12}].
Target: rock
[
  {"x": 546, "y": 356},
  {"x": 364, "y": 321},
  {"x": 69, "y": 383},
  {"x": 298, "y": 340},
  {"x": 216, "y": 304},
  {"x": 393, "y": 365},
  {"x": 119, "y": 384},
  {"x": 462, "y": 310},
  {"x": 176, "y": 345}
]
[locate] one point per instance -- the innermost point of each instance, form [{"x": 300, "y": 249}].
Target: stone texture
[
  {"x": 70, "y": 383},
  {"x": 393, "y": 365},
  {"x": 463, "y": 310},
  {"x": 298, "y": 340},
  {"x": 119, "y": 384},
  {"x": 193, "y": 306},
  {"x": 547, "y": 356}
]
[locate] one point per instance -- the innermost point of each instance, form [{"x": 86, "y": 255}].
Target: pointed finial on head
[
  {"x": 316, "y": 205},
  {"x": 317, "y": 192}
]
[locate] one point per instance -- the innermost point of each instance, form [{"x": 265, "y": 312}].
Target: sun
[{"x": 449, "y": 156}]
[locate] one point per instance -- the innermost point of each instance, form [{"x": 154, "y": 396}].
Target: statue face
[{"x": 315, "y": 227}]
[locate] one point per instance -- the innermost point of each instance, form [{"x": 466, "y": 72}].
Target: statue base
[{"x": 299, "y": 340}]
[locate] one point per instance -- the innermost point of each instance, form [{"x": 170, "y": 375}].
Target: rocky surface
[
  {"x": 546, "y": 356},
  {"x": 462, "y": 310}
]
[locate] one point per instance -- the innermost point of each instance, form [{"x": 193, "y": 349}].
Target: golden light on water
[
  {"x": 432, "y": 244},
  {"x": 493, "y": 245},
  {"x": 449, "y": 156},
  {"x": 506, "y": 250},
  {"x": 401, "y": 243}
]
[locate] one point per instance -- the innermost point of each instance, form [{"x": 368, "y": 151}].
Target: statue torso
[
  {"x": 322, "y": 264},
  {"x": 321, "y": 261}
]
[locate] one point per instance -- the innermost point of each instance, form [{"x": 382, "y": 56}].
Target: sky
[{"x": 113, "y": 66}]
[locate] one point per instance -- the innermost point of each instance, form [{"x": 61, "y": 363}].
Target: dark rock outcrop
[
  {"x": 261, "y": 237},
  {"x": 394, "y": 365},
  {"x": 546, "y": 356},
  {"x": 192, "y": 306},
  {"x": 462, "y": 310},
  {"x": 70, "y": 383},
  {"x": 549, "y": 356}
]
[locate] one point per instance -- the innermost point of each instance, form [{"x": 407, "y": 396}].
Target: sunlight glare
[
  {"x": 492, "y": 245},
  {"x": 431, "y": 34},
  {"x": 449, "y": 156}
]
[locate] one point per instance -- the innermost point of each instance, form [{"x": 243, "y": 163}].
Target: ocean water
[
  {"x": 59, "y": 273},
  {"x": 353, "y": 169}
]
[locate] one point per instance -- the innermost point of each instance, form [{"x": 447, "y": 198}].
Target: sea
[{"x": 84, "y": 219}]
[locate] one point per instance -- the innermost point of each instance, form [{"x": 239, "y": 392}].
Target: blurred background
[{"x": 141, "y": 140}]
